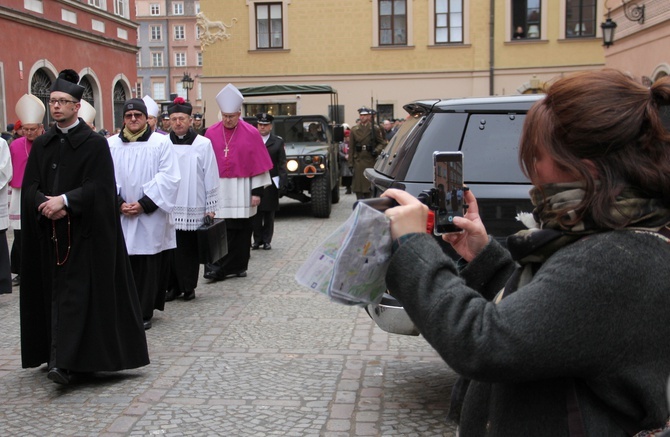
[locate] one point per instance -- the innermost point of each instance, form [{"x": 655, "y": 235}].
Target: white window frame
[
  {"x": 179, "y": 32},
  {"x": 375, "y": 25},
  {"x": 199, "y": 59},
  {"x": 158, "y": 90},
  {"x": 177, "y": 8},
  {"x": 251, "y": 9},
  {"x": 155, "y": 9},
  {"x": 159, "y": 31},
  {"x": 180, "y": 59},
  {"x": 121, "y": 8},
  {"x": 431, "y": 24},
  {"x": 100, "y": 4},
  {"x": 157, "y": 59}
]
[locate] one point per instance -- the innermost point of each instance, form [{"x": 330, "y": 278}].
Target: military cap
[{"x": 264, "y": 118}]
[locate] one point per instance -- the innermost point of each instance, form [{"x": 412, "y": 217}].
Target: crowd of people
[
  {"x": 562, "y": 332},
  {"x": 105, "y": 224}
]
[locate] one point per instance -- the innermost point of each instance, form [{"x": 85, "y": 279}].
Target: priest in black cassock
[{"x": 79, "y": 307}]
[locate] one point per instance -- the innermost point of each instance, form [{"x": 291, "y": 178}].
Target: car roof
[{"x": 493, "y": 103}]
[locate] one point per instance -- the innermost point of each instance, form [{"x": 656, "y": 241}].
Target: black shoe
[
  {"x": 267, "y": 246},
  {"x": 242, "y": 274},
  {"x": 255, "y": 246},
  {"x": 147, "y": 325},
  {"x": 16, "y": 281},
  {"x": 59, "y": 376},
  {"x": 172, "y": 295},
  {"x": 348, "y": 190},
  {"x": 189, "y": 295}
]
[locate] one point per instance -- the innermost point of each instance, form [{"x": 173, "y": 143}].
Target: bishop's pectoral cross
[{"x": 226, "y": 151}]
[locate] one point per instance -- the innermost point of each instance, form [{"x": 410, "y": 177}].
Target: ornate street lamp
[
  {"x": 187, "y": 83},
  {"x": 608, "y": 30}
]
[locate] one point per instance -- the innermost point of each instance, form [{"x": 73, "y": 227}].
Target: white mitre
[
  {"x": 230, "y": 99},
  {"x": 152, "y": 106},
  {"x": 87, "y": 112},
  {"x": 30, "y": 109}
]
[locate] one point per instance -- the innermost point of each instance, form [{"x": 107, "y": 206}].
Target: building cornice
[{"x": 51, "y": 26}]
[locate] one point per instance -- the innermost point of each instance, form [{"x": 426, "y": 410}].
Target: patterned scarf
[
  {"x": 532, "y": 247},
  {"x": 131, "y": 137}
]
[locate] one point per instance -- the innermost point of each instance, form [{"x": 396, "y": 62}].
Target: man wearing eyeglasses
[
  {"x": 79, "y": 306},
  {"x": 147, "y": 175}
]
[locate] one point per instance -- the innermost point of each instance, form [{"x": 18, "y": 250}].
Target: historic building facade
[
  {"x": 96, "y": 38},
  {"x": 169, "y": 50},
  {"x": 386, "y": 53}
]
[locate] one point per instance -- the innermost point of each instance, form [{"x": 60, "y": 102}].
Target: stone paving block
[{"x": 255, "y": 356}]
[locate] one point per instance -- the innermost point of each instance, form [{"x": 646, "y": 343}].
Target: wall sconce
[
  {"x": 608, "y": 30},
  {"x": 633, "y": 12}
]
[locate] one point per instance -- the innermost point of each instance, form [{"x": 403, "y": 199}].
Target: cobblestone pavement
[{"x": 255, "y": 356}]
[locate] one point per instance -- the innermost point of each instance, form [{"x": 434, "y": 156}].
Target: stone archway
[
  {"x": 119, "y": 100},
  {"x": 40, "y": 87}
]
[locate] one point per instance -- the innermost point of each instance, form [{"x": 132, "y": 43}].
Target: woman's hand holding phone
[
  {"x": 472, "y": 241},
  {"x": 407, "y": 218}
]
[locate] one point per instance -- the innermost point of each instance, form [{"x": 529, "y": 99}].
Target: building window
[
  {"x": 98, "y": 26},
  {"x": 580, "y": 18},
  {"x": 121, "y": 8},
  {"x": 154, "y": 9},
  {"x": 197, "y": 32},
  {"x": 138, "y": 60},
  {"x": 180, "y": 59},
  {"x": 199, "y": 59},
  {"x": 196, "y": 6},
  {"x": 269, "y": 26},
  {"x": 34, "y": 6},
  {"x": 179, "y": 32},
  {"x": 156, "y": 59},
  {"x": 159, "y": 90},
  {"x": 69, "y": 16},
  {"x": 138, "y": 89},
  {"x": 156, "y": 33},
  {"x": 526, "y": 21},
  {"x": 100, "y": 4},
  {"x": 392, "y": 22},
  {"x": 448, "y": 21},
  {"x": 177, "y": 8}
]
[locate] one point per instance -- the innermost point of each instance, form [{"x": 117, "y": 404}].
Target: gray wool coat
[{"x": 596, "y": 312}]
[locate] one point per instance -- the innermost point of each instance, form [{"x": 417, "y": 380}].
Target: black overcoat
[
  {"x": 270, "y": 199},
  {"x": 84, "y": 315}
]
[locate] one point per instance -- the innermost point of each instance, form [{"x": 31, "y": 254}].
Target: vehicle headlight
[{"x": 292, "y": 165}]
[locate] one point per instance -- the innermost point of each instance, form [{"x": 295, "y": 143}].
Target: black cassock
[{"x": 83, "y": 315}]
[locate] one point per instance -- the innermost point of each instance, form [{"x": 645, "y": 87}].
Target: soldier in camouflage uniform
[{"x": 363, "y": 151}]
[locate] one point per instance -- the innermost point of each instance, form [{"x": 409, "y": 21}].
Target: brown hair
[{"x": 611, "y": 120}]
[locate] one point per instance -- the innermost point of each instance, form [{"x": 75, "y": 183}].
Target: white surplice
[
  {"x": 147, "y": 168},
  {"x": 235, "y": 195},
  {"x": 199, "y": 186}
]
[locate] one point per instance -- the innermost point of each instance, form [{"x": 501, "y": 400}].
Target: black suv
[{"x": 487, "y": 131}]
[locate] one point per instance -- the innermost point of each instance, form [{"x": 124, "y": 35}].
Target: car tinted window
[
  {"x": 394, "y": 152},
  {"x": 491, "y": 148},
  {"x": 443, "y": 133}
]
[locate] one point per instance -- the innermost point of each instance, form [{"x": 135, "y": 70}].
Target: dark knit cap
[
  {"x": 135, "y": 104},
  {"x": 68, "y": 82}
]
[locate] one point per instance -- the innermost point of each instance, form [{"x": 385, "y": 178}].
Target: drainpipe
[{"x": 491, "y": 47}]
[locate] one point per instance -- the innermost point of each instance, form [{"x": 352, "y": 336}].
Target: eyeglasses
[
  {"x": 30, "y": 129},
  {"x": 131, "y": 115},
  {"x": 61, "y": 102}
]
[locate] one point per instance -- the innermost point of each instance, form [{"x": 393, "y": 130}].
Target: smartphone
[{"x": 448, "y": 181}]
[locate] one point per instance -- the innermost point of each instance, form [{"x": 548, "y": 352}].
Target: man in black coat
[
  {"x": 79, "y": 307},
  {"x": 264, "y": 221}
]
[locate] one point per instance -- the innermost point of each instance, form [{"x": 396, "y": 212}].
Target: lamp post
[{"x": 187, "y": 83}]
